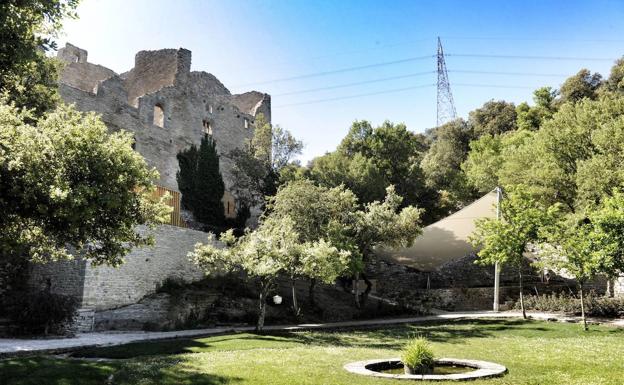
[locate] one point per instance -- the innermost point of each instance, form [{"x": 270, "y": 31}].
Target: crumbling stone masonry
[{"x": 167, "y": 106}]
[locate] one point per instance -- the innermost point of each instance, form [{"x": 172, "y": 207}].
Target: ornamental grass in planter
[{"x": 417, "y": 357}]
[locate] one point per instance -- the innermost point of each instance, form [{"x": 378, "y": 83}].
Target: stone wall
[
  {"x": 144, "y": 270},
  {"x": 618, "y": 287},
  {"x": 194, "y": 103}
]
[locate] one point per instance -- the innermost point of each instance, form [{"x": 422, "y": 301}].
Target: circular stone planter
[{"x": 475, "y": 369}]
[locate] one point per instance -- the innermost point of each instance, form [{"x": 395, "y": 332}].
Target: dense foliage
[
  {"x": 66, "y": 181},
  {"x": 595, "y": 305},
  {"x": 369, "y": 159},
  {"x": 259, "y": 163},
  {"x": 43, "y": 312},
  {"x": 265, "y": 253},
  {"x": 200, "y": 182},
  {"x": 28, "y": 78}
]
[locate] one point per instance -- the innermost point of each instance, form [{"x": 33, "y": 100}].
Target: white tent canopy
[{"x": 445, "y": 240}]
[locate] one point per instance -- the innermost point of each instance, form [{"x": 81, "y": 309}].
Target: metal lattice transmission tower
[{"x": 446, "y": 107}]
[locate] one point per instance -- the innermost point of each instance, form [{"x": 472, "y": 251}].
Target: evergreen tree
[
  {"x": 187, "y": 160},
  {"x": 208, "y": 184},
  {"x": 201, "y": 183}
]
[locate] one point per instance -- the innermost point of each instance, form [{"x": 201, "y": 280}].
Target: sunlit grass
[{"x": 534, "y": 352}]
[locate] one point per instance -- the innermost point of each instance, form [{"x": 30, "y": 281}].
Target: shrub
[
  {"x": 418, "y": 356},
  {"x": 595, "y": 305},
  {"x": 43, "y": 312}
]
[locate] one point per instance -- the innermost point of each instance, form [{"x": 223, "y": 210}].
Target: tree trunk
[
  {"x": 356, "y": 289},
  {"x": 583, "y": 307},
  {"x": 294, "y": 297},
  {"x": 521, "y": 295},
  {"x": 311, "y": 292},
  {"x": 369, "y": 288},
  {"x": 264, "y": 290}
]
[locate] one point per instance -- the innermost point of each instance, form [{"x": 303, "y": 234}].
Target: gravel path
[{"x": 12, "y": 347}]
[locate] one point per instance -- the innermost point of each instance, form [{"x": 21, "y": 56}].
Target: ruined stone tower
[{"x": 167, "y": 106}]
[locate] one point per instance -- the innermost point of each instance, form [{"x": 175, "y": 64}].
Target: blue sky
[{"x": 251, "y": 44}]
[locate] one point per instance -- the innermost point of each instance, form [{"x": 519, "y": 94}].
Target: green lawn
[{"x": 534, "y": 352}]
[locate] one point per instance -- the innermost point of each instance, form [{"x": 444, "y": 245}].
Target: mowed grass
[{"x": 534, "y": 352}]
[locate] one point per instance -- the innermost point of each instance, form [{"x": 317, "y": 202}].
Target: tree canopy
[
  {"x": 66, "y": 181},
  {"x": 27, "y": 30}
]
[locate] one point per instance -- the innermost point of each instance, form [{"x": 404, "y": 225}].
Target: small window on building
[
  {"x": 246, "y": 122},
  {"x": 210, "y": 108},
  {"x": 159, "y": 115},
  {"x": 207, "y": 127}
]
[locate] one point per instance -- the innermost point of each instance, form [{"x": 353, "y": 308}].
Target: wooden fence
[{"x": 174, "y": 201}]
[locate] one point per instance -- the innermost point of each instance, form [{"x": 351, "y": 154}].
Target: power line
[
  {"x": 401, "y": 90},
  {"x": 355, "y": 96},
  {"x": 508, "y": 73},
  {"x": 533, "y": 39},
  {"x": 355, "y": 83},
  {"x": 393, "y": 62},
  {"x": 378, "y": 80},
  {"x": 341, "y": 70},
  {"x": 488, "y": 56},
  {"x": 492, "y": 86}
]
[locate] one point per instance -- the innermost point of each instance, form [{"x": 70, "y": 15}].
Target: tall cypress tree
[
  {"x": 201, "y": 183},
  {"x": 187, "y": 160},
  {"x": 209, "y": 187}
]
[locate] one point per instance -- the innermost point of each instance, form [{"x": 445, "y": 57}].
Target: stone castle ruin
[{"x": 168, "y": 108}]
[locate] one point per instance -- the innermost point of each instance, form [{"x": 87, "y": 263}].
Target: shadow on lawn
[
  {"x": 389, "y": 337},
  {"x": 394, "y": 337},
  {"x": 49, "y": 371}
]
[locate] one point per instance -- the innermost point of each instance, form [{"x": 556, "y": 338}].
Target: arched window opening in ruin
[
  {"x": 210, "y": 108},
  {"x": 159, "y": 115},
  {"x": 229, "y": 205},
  {"x": 246, "y": 122},
  {"x": 207, "y": 127}
]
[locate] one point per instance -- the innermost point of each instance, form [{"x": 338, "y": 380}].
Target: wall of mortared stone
[
  {"x": 144, "y": 270},
  {"x": 85, "y": 76},
  {"x": 188, "y": 99},
  {"x": 154, "y": 70},
  {"x": 618, "y": 287},
  {"x": 63, "y": 277}
]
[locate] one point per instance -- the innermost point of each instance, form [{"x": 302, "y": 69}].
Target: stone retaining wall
[{"x": 144, "y": 270}]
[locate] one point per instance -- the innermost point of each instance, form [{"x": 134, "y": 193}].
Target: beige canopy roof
[{"x": 445, "y": 240}]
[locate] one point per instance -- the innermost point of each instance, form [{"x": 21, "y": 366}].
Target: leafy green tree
[
  {"x": 487, "y": 156},
  {"x": 264, "y": 254},
  {"x": 531, "y": 118},
  {"x": 615, "y": 83},
  {"x": 67, "y": 181},
  {"x": 380, "y": 223},
  {"x": 571, "y": 248},
  {"x": 27, "y": 30},
  {"x": 257, "y": 166},
  {"x": 495, "y": 117},
  {"x": 441, "y": 164},
  {"x": 201, "y": 183},
  {"x": 320, "y": 212},
  {"x": 608, "y": 232},
  {"x": 582, "y": 85},
  {"x": 371, "y": 158},
  {"x": 357, "y": 172},
  {"x": 504, "y": 241},
  {"x": 574, "y": 157}
]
